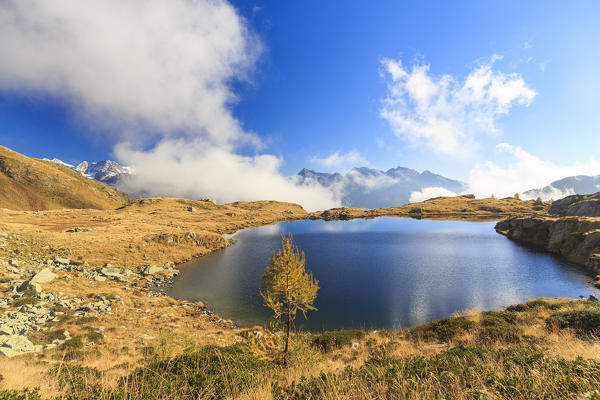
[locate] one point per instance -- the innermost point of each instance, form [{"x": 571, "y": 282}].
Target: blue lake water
[{"x": 382, "y": 273}]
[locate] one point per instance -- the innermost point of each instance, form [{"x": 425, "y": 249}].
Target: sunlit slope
[{"x": 32, "y": 184}]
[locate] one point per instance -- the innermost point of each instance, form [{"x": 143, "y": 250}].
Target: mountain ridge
[
  {"x": 373, "y": 188},
  {"x": 37, "y": 184}
]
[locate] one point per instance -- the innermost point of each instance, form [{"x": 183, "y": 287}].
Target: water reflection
[{"x": 383, "y": 272}]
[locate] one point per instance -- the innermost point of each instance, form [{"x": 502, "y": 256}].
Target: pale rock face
[
  {"x": 44, "y": 276},
  {"x": 152, "y": 270},
  {"x": 61, "y": 260}
]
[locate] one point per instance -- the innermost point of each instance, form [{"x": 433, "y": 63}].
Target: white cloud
[
  {"x": 429, "y": 193},
  {"x": 144, "y": 72},
  {"x": 194, "y": 170},
  {"x": 445, "y": 114},
  {"x": 335, "y": 160},
  {"x": 524, "y": 172}
]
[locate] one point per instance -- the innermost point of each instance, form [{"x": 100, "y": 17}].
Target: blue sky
[{"x": 317, "y": 86}]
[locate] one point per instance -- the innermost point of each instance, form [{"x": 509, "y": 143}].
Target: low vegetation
[{"x": 529, "y": 351}]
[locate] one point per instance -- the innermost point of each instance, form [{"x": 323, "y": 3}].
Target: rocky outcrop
[
  {"x": 587, "y": 205},
  {"x": 575, "y": 238}
]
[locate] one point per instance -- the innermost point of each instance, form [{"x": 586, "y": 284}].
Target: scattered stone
[
  {"x": 99, "y": 278},
  {"x": 44, "y": 276},
  {"x": 230, "y": 214},
  {"x": 191, "y": 209},
  {"x": 13, "y": 262},
  {"x": 354, "y": 345},
  {"x": 111, "y": 272}
]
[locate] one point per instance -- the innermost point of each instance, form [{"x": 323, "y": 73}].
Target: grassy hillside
[{"x": 32, "y": 184}]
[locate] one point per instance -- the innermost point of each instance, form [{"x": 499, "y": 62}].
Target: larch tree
[{"x": 289, "y": 288}]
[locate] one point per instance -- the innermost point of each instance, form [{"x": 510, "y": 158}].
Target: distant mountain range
[
  {"x": 371, "y": 188},
  {"x": 580, "y": 184},
  {"x": 362, "y": 187}
]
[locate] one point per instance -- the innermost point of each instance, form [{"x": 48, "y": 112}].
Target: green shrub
[
  {"x": 546, "y": 305},
  {"x": 20, "y": 395},
  {"x": 441, "y": 330},
  {"x": 76, "y": 379},
  {"x": 85, "y": 320},
  {"x": 519, "y": 307},
  {"x": 499, "y": 326},
  {"x": 73, "y": 343},
  {"x": 94, "y": 336},
  {"x": 220, "y": 371},
  {"x": 517, "y": 372},
  {"x": 582, "y": 321},
  {"x": 24, "y": 300},
  {"x": 330, "y": 340}
]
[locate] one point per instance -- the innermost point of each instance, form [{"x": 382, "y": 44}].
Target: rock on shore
[{"x": 575, "y": 238}]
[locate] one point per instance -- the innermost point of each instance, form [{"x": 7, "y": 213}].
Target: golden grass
[{"x": 32, "y": 184}]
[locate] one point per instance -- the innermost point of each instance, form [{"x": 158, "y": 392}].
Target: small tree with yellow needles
[{"x": 289, "y": 287}]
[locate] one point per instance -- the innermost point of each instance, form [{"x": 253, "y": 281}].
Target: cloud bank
[
  {"x": 525, "y": 171},
  {"x": 344, "y": 161},
  {"x": 156, "y": 77},
  {"x": 444, "y": 114},
  {"x": 429, "y": 193}
]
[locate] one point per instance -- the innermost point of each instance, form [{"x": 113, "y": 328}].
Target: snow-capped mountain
[
  {"x": 108, "y": 172},
  {"x": 57, "y": 161},
  {"x": 580, "y": 184},
  {"x": 369, "y": 187}
]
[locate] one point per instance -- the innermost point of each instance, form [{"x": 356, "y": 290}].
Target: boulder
[
  {"x": 153, "y": 270},
  {"x": 17, "y": 343},
  {"x": 111, "y": 271},
  {"x": 44, "y": 276},
  {"x": 6, "y": 352},
  {"x": 191, "y": 209},
  {"x": 62, "y": 260},
  {"x": 13, "y": 262},
  {"x": 28, "y": 285},
  {"x": 6, "y": 330}
]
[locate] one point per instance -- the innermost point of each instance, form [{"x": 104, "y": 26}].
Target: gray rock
[
  {"x": 28, "y": 285},
  {"x": 13, "y": 262},
  {"x": 44, "y": 276}
]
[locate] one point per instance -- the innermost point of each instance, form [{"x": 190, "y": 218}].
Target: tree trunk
[{"x": 287, "y": 335}]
